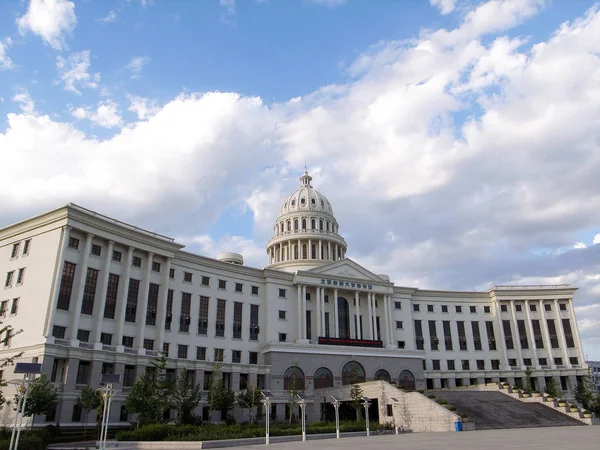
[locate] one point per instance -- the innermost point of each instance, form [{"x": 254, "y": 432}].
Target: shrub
[
  {"x": 431, "y": 396},
  {"x": 451, "y": 408},
  {"x": 464, "y": 415},
  {"x": 27, "y": 441},
  {"x": 442, "y": 402},
  {"x": 421, "y": 391},
  {"x": 536, "y": 392}
]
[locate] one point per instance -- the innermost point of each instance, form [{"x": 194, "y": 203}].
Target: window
[
  {"x": 419, "y": 341},
  {"x": 508, "y": 334},
  {"x": 237, "y": 320},
  {"x": 201, "y": 353},
  {"x": 205, "y": 281},
  {"x": 480, "y": 364},
  {"x": 66, "y": 286},
  {"x": 451, "y": 365},
  {"x": 254, "y": 290},
  {"x": 522, "y": 334},
  {"x": 518, "y": 308},
  {"x": 495, "y": 364},
  {"x": 462, "y": 336},
  {"x": 532, "y": 307},
  {"x": 128, "y": 376},
  {"x": 172, "y": 274},
  {"x": 136, "y": 261},
  {"x": 447, "y": 335},
  {"x": 20, "y": 276},
  {"x": 58, "y": 332},
  {"x": 543, "y": 362},
  {"x": 83, "y": 335},
  {"x": 429, "y": 308},
  {"x": 282, "y": 293},
  {"x": 243, "y": 381},
  {"x": 433, "y": 335},
  {"x": 472, "y": 309},
  {"x": 3, "y": 308},
  {"x": 165, "y": 349},
  {"x": 222, "y": 284},
  {"x": 547, "y": 307},
  {"x": 458, "y": 309},
  {"x": 573, "y": 360},
  {"x": 537, "y": 333},
  {"x": 566, "y": 323},
  {"x": 476, "y": 335},
  {"x": 236, "y": 356},
  {"x": 308, "y": 296},
  {"x": 465, "y": 364},
  {"x": 239, "y": 287},
  {"x": 182, "y": 351},
  {"x": 9, "y": 278},
  {"x": 83, "y": 372},
  {"x": 73, "y": 243},
  {"x": 552, "y": 332},
  {"x": 149, "y": 344},
  {"x": 254, "y": 328},
  {"x": 111, "y": 296},
  {"x": 203, "y": 316},
  {"x": 106, "y": 338},
  {"x": 96, "y": 250},
  {"x": 128, "y": 341},
  {"x": 558, "y": 361},
  {"x": 444, "y": 308},
  {"x": 282, "y": 337},
  {"x": 486, "y": 309},
  {"x": 399, "y": 324},
  {"x": 397, "y": 305},
  {"x": 527, "y": 362},
  {"x": 220, "y": 324},
  {"x": 132, "y": 300},
  {"x": 152, "y": 305},
  {"x": 424, "y": 364},
  {"x": 562, "y": 306},
  {"x": 512, "y": 362},
  {"x": 219, "y": 354},
  {"x": 326, "y": 318},
  {"x": 489, "y": 328},
  {"x": 282, "y": 315},
  {"x": 401, "y": 344},
  {"x": 26, "y": 246},
  {"x": 116, "y": 256},
  {"x": 252, "y": 357},
  {"x": 187, "y": 277},
  {"x": 15, "y": 306},
  {"x": 155, "y": 266},
  {"x": 89, "y": 292},
  {"x": 184, "y": 317},
  {"x": 416, "y": 308},
  {"x": 503, "y": 308},
  {"x": 15, "y": 251},
  {"x": 436, "y": 364}
]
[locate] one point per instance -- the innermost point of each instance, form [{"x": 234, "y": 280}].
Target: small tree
[
  {"x": 527, "y": 388},
  {"x": 145, "y": 399},
  {"x": 295, "y": 387},
  {"x": 220, "y": 398},
  {"x": 7, "y": 332},
  {"x": 585, "y": 393},
  {"x": 356, "y": 394},
  {"x": 89, "y": 400},
  {"x": 553, "y": 389},
  {"x": 42, "y": 398},
  {"x": 250, "y": 399},
  {"x": 186, "y": 398}
]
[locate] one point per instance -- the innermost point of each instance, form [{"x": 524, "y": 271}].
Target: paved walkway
[{"x": 580, "y": 438}]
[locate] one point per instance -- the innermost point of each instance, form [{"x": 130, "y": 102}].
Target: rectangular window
[
  {"x": 136, "y": 261},
  {"x": 186, "y": 310},
  {"x": 112, "y": 291},
  {"x": 220, "y": 324},
  {"x": 254, "y": 329},
  {"x": 252, "y": 357},
  {"x": 416, "y": 308},
  {"x": 476, "y": 335},
  {"x": 66, "y": 286},
  {"x": 106, "y": 338},
  {"x": 397, "y": 305},
  {"x": 96, "y": 250},
  {"x": 282, "y": 337},
  {"x": 462, "y": 336},
  {"x": 512, "y": 362},
  {"x": 552, "y": 332},
  {"x": 573, "y": 360},
  {"x": 562, "y": 306},
  {"x": 480, "y": 364},
  {"x": 15, "y": 251},
  {"x": 254, "y": 290},
  {"x": 472, "y": 309},
  {"x": 543, "y": 362},
  {"x": 558, "y": 361},
  {"x": 489, "y": 328},
  {"x": 152, "y": 304},
  {"x": 566, "y": 323},
  {"x": 83, "y": 335},
  {"x": 327, "y": 324},
  {"x": 308, "y": 296},
  {"x": 527, "y": 362},
  {"x": 15, "y": 306},
  {"x": 522, "y": 334},
  {"x": 465, "y": 364},
  {"x": 503, "y": 308},
  {"x": 308, "y": 325},
  {"x": 281, "y": 293},
  {"x": 547, "y": 307},
  {"x": 3, "y": 308},
  {"x": 444, "y": 308},
  {"x": 201, "y": 353},
  {"x": 486, "y": 309},
  {"x": 128, "y": 376},
  {"x": 282, "y": 315},
  {"x": 74, "y": 243},
  {"x": 207, "y": 381},
  {"x": 399, "y": 325},
  {"x": 237, "y": 320},
  {"x": 155, "y": 266},
  {"x": 243, "y": 381},
  {"x": 236, "y": 356},
  {"x": 9, "y": 278},
  {"x": 89, "y": 292},
  {"x": 169, "y": 309},
  {"x": 83, "y": 372},
  {"x": 436, "y": 364},
  {"x": 433, "y": 335},
  {"x": 20, "y": 276},
  {"x": 26, "y": 246},
  {"x": 518, "y": 308},
  {"x": 532, "y": 307},
  {"x": 203, "y": 316},
  {"x": 222, "y": 284},
  {"x": 132, "y": 300},
  {"x": 187, "y": 277},
  {"x": 165, "y": 349},
  {"x": 149, "y": 344},
  {"x": 172, "y": 274},
  {"x": 401, "y": 344},
  {"x": 537, "y": 334},
  {"x": 419, "y": 341},
  {"x": 116, "y": 256},
  {"x": 239, "y": 287},
  {"x": 450, "y": 364},
  {"x": 508, "y": 339},
  {"x": 458, "y": 309},
  {"x": 205, "y": 281},
  {"x": 182, "y": 351},
  {"x": 127, "y": 341},
  {"x": 219, "y": 354},
  {"x": 58, "y": 332},
  {"x": 429, "y": 308}
]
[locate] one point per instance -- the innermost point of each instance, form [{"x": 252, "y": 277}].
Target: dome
[{"x": 306, "y": 198}]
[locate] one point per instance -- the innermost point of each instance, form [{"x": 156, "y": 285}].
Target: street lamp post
[
  {"x": 266, "y": 401},
  {"x": 302, "y": 403},
  {"x": 336, "y": 404},
  {"x": 30, "y": 370},
  {"x": 108, "y": 393},
  {"x": 366, "y": 404}
]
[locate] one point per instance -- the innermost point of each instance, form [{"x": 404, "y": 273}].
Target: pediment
[{"x": 348, "y": 269}]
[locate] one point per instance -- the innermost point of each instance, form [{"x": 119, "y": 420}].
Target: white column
[
  {"x": 304, "y": 326},
  {"x": 516, "y": 340},
  {"x": 336, "y": 319},
  {"x": 320, "y": 249},
  {"x": 162, "y": 305},
  {"x": 309, "y": 249},
  {"x": 290, "y": 252},
  {"x": 357, "y": 308},
  {"x": 322, "y": 289},
  {"x": 122, "y": 303},
  {"x": 386, "y": 312},
  {"x": 318, "y": 313},
  {"x": 144, "y": 303},
  {"x": 561, "y": 335},
  {"x": 104, "y": 287},
  {"x": 536, "y": 363},
  {"x": 575, "y": 331},
  {"x": 64, "y": 241},
  {"x": 546, "y": 334},
  {"x": 299, "y": 250},
  {"x": 329, "y": 251},
  {"x": 335, "y": 256},
  {"x": 370, "y": 312},
  {"x": 76, "y": 313},
  {"x": 300, "y": 321},
  {"x": 502, "y": 344},
  {"x": 390, "y": 320}
]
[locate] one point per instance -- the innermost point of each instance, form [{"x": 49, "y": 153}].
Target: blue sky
[{"x": 456, "y": 139}]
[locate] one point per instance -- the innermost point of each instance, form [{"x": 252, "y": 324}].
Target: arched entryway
[
  {"x": 406, "y": 380},
  {"x": 353, "y": 372},
  {"x": 344, "y": 317},
  {"x": 293, "y": 379},
  {"x": 383, "y": 374},
  {"x": 323, "y": 378}
]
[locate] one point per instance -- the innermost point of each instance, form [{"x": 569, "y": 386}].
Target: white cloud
[
  {"x": 49, "y": 19},
  {"x": 579, "y": 245},
  {"x": 142, "y": 107},
  {"x": 5, "y": 61},
  {"x": 136, "y": 65},
  {"x": 109, "y": 18},
  {"x": 445, "y": 6},
  {"x": 74, "y": 71},
  {"x": 596, "y": 239},
  {"x": 254, "y": 255},
  {"x": 25, "y": 101},
  {"x": 106, "y": 115}
]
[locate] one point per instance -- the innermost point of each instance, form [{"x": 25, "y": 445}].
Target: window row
[
  {"x": 532, "y": 307},
  {"x": 444, "y": 308},
  {"x": 14, "y": 307},
  {"x": 17, "y": 247},
  {"x": 306, "y": 224},
  {"x": 10, "y": 277},
  {"x": 494, "y": 364}
]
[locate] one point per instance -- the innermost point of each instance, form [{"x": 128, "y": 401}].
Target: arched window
[
  {"x": 383, "y": 374},
  {"x": 323, "y": 378},
  {"x": 313, "y": 252},
  {"x": 353, "y": 372},
  {"x": 295, "y": 224},
  {"x": 313, "y": 223},
  {"x": 321, "y": 224},
  {"x": 295, "y": 251},
  {"x": 293, "y": 379},
  {"x": 344, "y": 317},
  {"x": 304, "y": 251},
  {"x": 281, "y": 227},
  {"x": 406, "y": 380},
  {"x": 328, "y": 225},
  {"x": 304, "y": 224},
  {"x": 289, "y": 225}
]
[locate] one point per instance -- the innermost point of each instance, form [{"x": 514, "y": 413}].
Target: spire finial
[{"x": 306, "y": 178}]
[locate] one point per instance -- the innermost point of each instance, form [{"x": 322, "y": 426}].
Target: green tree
[
  {"x": 145, "y": 400},
  {"x": 356, "y": 395},
  {"x": 295, "y": 387},
  {"x": 185, "y": 398},
  {"x": 527, "y": 388},
  {"x": 220, "y": 397},
  {"x": 585, "y": 393},
  {"x": 89, "y": 400},
  {"x": 553, "y": 388},
  {"x": 42, "y": 397},
  {"x": 7, "y": 332},
  {"x": 250, "y": 399}
]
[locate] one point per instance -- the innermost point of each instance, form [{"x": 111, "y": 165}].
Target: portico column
[
  {"x": 531, "y": 334},
  {"x": 502, "y": 345},
  {"x": 76, "y": 314},
  {"x": 290, "y": 251},
  {"x": 162, "y": 306},
  {"x": 144, "y": 304},
  {"x": 517, "y": 336},
  {"x": 64, "y": 236},
  {"x": 390, "y": 320},
  {"x": 300, "y": 334},
  {"x": 335, "y": 255},
  {"x": 103, "y": 289},
  {"x": 123, "y": 300},
  {"x": 561, "y": 335},
  {"x": 304, "y": 330},
  {"x": 329, "y": 250},
  {"x": 357, "y": 308},
  {"x": 336, "y": 318},
  {"x": 370, "y": 312},
  {"x": 300, "y": 256},
  {"x": 575, "y": 330},
  {"x": 318, "y": 311},
  {"x": 320, "y": 249},
  {"x": 546, "y": 334},
  {"x": 386, "y": 312},
  {"x": 322, "y": 289}
]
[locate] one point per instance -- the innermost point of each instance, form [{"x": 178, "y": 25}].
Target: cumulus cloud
[
  {"x": 52, "y": 20},
  {"x": 254, "y": 255},
  {"x": 445, "y": 6},
  {"x": 25, "y": 101},
  {"x": 136, "y": 65},
  {"x": 5, "y": 61},
  {"x": 109, "y": 18},
  {"x": 142, "y": 107},
  {"x": 106, "y": 114},
  {"x": 74, "y": 71}
]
